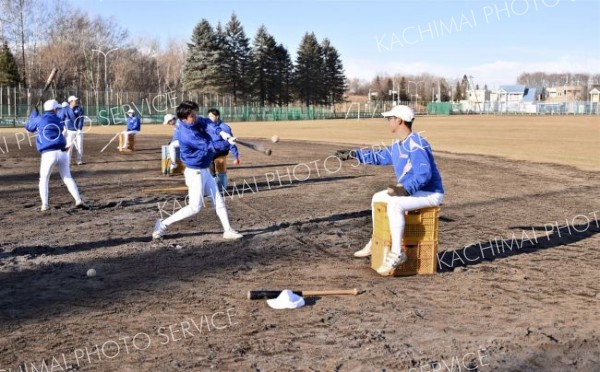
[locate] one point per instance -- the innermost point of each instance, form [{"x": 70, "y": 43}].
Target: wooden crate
[
  {"x": 420, "y": 240},
  {"x": 130, "y": 144},
  {"x": 166, "y": 162}
]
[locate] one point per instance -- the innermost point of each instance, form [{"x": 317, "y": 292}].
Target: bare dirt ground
[{"x": 180, "y": 304}]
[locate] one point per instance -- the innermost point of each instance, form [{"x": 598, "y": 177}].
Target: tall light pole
[
  {"x": 416, "y": 83},
  {"x": 105, "y": 71}
]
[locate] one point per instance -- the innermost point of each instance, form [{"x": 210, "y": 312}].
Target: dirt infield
[{"x": 517, "y": 288}]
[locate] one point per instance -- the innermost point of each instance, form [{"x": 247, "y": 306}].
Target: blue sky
[{"x": 491, "y": 40}]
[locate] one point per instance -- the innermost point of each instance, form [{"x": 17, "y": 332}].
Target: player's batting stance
[
  {"x": 197, "y": 151},
  {"x": 51, "y": 144},
  {"x": 419, "y": 182}
]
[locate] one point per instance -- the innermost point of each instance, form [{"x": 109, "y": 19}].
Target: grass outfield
[{"x": 566, "y": 140}]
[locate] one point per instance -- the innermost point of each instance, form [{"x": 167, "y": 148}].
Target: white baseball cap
[
  {"x": 130, "y": 111},
  {"x": 168, "y": 118},
  {"x": 64, "y": 104},
  {"x": 403, "y": 112},
  {"x": 286, "y": 300},
  {"x": 51, "y": 104},
  {"x": 72, "y": 98}
]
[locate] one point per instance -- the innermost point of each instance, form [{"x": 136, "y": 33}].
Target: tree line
[
  {"x": 223, "y": 60},
  {"x": 95, "y": 53}
]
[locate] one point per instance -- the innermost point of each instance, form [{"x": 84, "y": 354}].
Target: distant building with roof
[
  {"x": 565, "y": 93},
  {"x": 516, "y": 98}
]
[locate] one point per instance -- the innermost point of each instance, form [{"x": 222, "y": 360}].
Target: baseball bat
[
  {"x": 46, "y": 86},
  {"x": 255, "y": 147},
  {"x": 267, "y": 294},
  {"x": 111, "y": 141}
]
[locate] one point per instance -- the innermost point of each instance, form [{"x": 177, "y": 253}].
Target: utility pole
[{"x": 105, "y": 71}]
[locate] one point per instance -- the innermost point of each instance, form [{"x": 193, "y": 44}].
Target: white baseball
[
  {"x": 275, "y": 139},
  {"x": 91, "y": 272}
]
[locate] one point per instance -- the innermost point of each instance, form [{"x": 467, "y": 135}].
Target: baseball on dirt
[
  {"x": 91, "y": 272},
  {"x": 275, "y": 139}
]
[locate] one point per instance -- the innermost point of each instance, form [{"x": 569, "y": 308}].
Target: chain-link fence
[{"x": 104, "y": 108}]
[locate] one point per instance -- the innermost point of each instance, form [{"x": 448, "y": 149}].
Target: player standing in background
[
  {"x": 218, "y": 167},
  {"x": 197, "y": 152},
  {"x": 171, "y": 120},
  {"x": 73, "y": 117},
  {"x": 51, "y": 143},
  {"x": 134, "y": 127}
]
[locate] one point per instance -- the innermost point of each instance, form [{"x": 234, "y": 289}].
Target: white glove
[
  {"x": 232, "y": 140},
  {"x": 225, "y": 136}
]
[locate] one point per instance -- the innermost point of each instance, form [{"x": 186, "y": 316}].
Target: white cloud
[{"x": 493, "y": 74}]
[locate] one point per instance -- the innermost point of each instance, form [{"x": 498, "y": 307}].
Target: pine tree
[
  {"x": 308, "y": 75},
  {"x": 9, "y": 71},
  {"x": 284, "y": 69},
  {"x": 201, "y": 66},
  {"x": 458, "y": 96},
  {"x": 238, "y": 60},
  {"x": 222, "y": 66},
  {"x": 264, "y": 50},
  {"x": 444, "y": 92},
  {"x": 334, "y": 80}
]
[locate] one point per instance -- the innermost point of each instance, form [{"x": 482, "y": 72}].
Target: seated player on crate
[
  {"x": 171, "y": 120},
  {"x": 134, "y": 127},
  {"x": 419, "y": 184}
]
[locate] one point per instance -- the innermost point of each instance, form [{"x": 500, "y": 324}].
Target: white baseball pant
[
  {"x": 173, "y": 151},
  {"x": 49, "y": 160},
  {"x": 75, "y": 139},
  {"x": 199, "y": 183},
  {"x": 126, "y": 134},
  {"x": 397, "y": 205}
]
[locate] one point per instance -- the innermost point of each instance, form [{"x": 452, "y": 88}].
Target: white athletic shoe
[
  {"x": 159, "y": 229},
  {"x": 80, "y": 162},
  {"x": 44, "y": 207},
  {"x": 391, "y": 262},
  {"x": 232, "y": 235},
  {"x": 365, "y": 252},
  {"x": 173, "y": 166}
]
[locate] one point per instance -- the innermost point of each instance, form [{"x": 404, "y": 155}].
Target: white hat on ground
[
  {"x": 168, "y": 118},
  {"x": 403, "y": 112},
  {"x": 72, "y": 98},
  {"x": 286, "y": 300},
  {"x": 51, "y": 104}
]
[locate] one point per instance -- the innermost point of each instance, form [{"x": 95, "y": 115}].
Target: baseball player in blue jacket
[
  {"x": 134, "y": 127},
  {"x": 419, "y": 184},
  {"x": 197, "y": 152},
  {"x": 74, "y": 117},
  {"x": 218, "y": 167},
  {"x": 51, "y": 143}
]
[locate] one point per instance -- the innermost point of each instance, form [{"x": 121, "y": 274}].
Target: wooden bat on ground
[
  {"x": 266, "y": 294},
  {"x": 46, "y": 86},
  {"x": 255, "y": 147}
]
